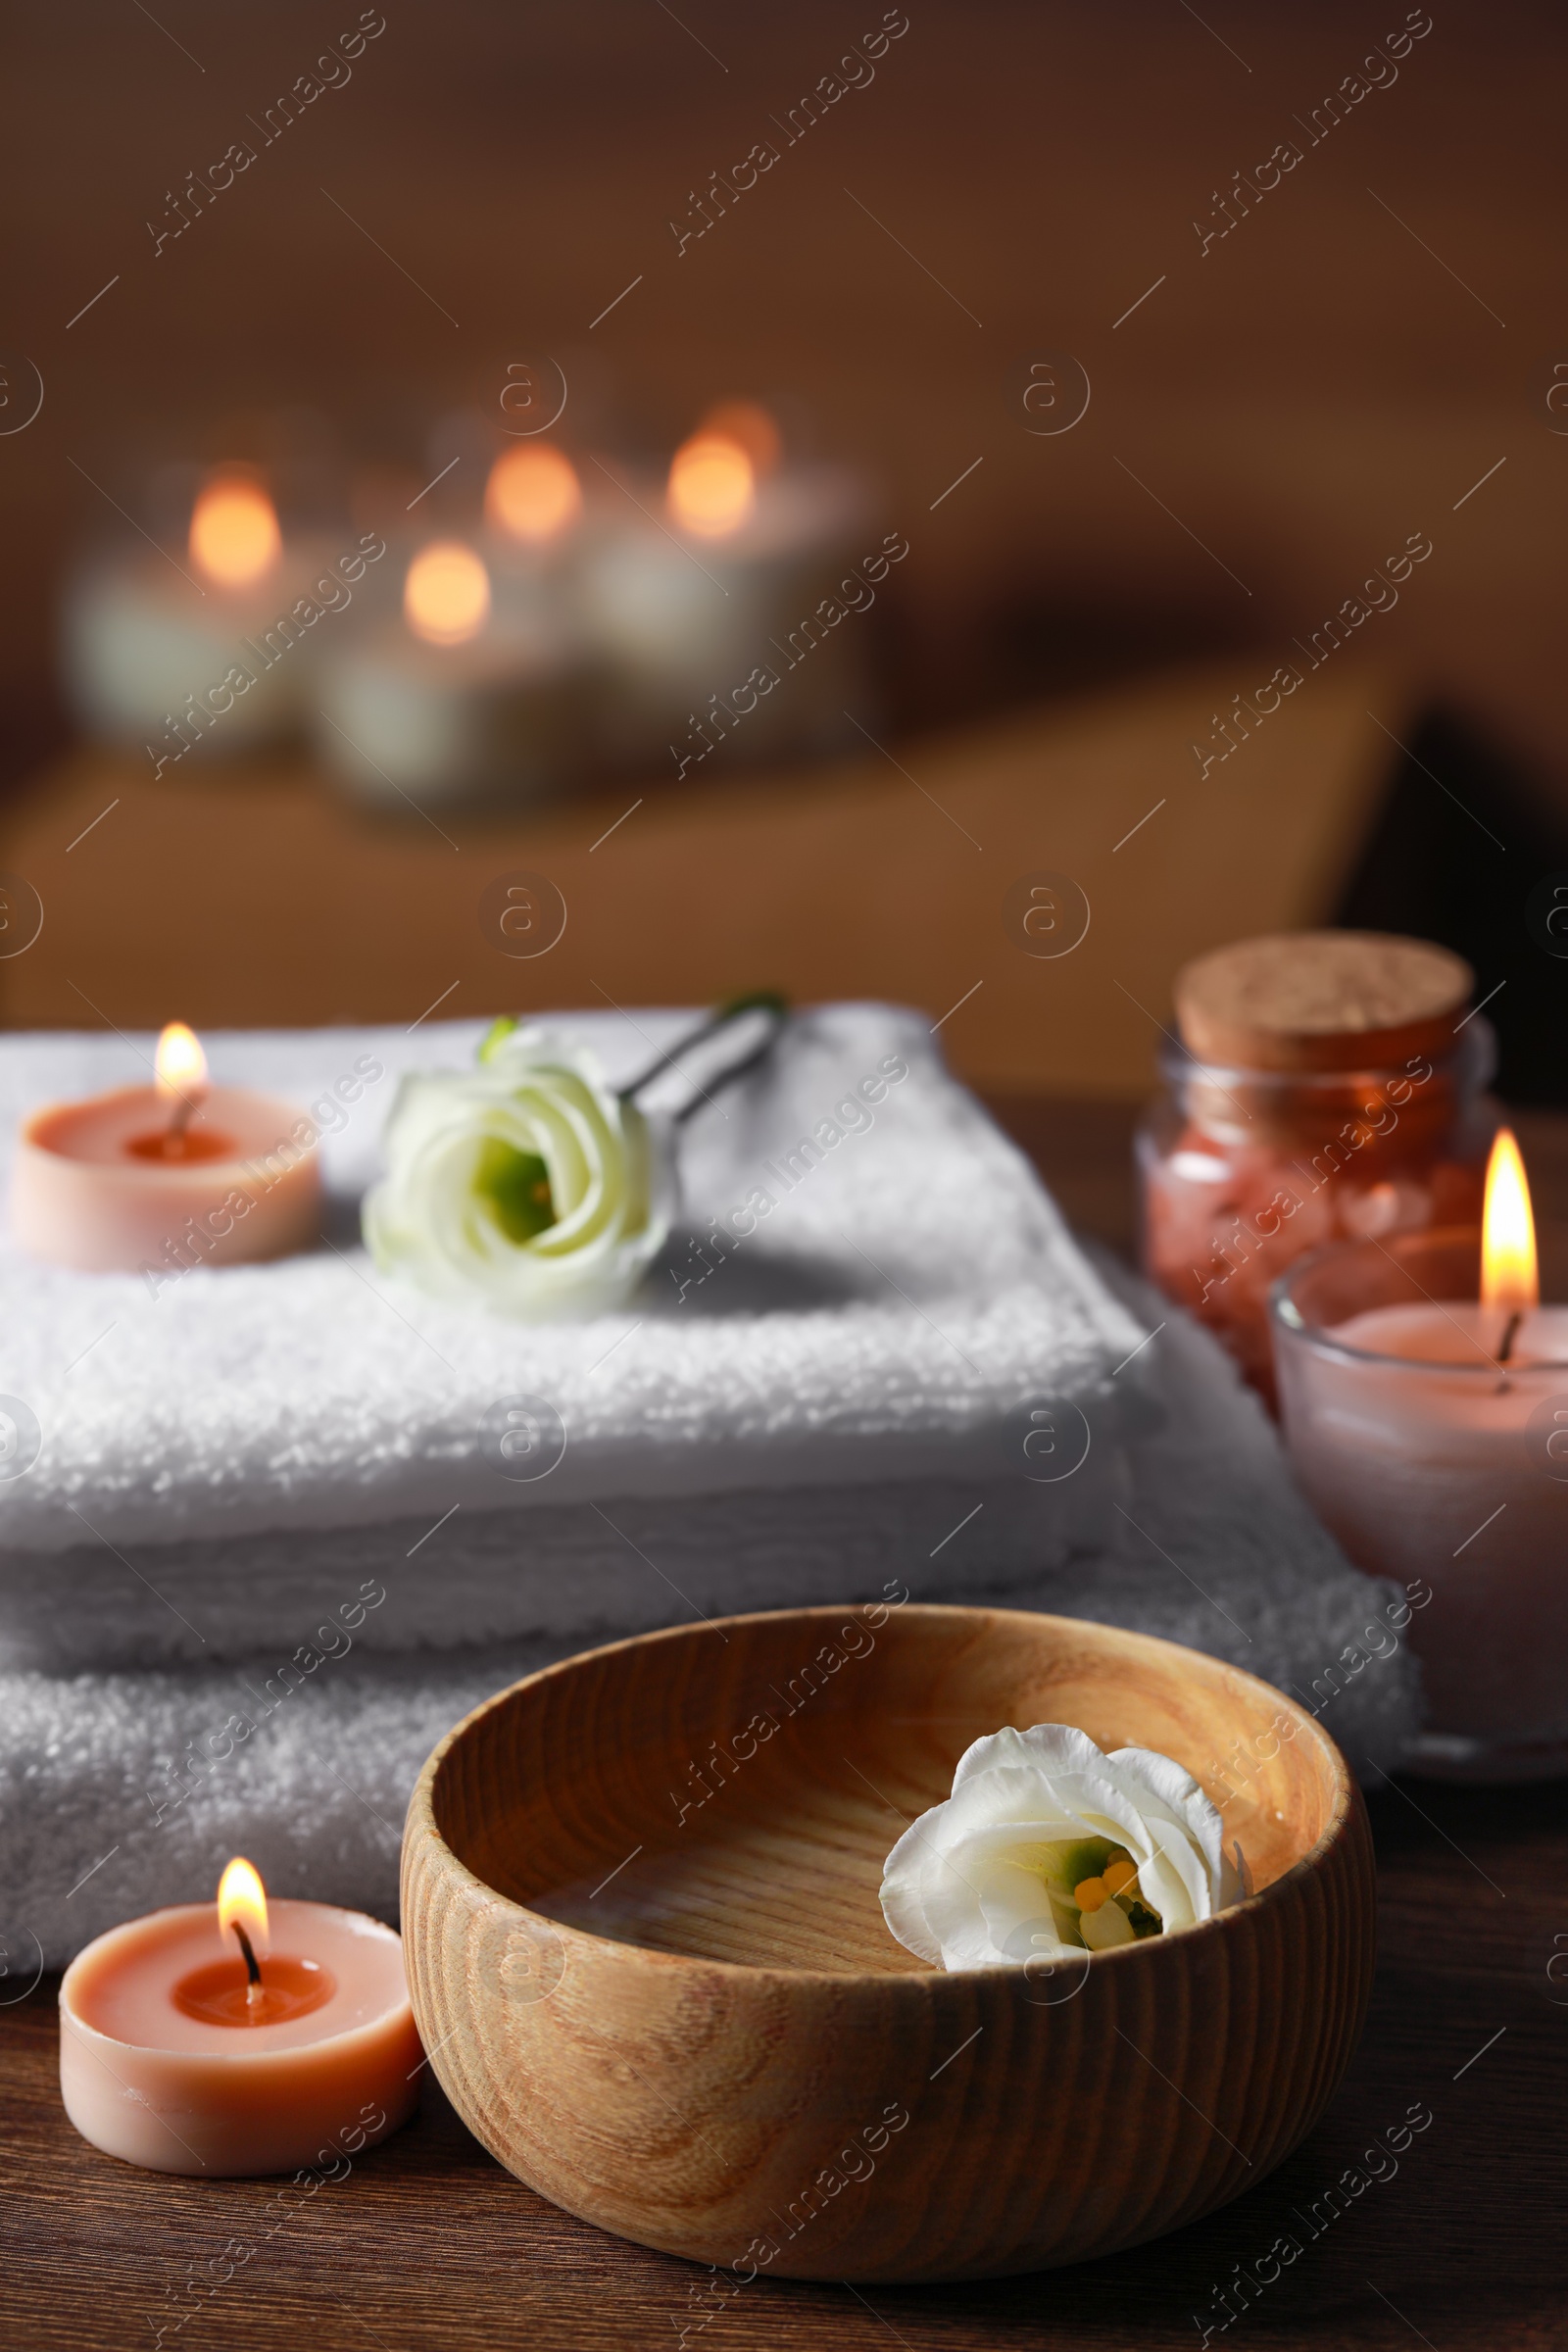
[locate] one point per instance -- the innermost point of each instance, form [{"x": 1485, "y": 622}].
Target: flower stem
[{"x": 759, "y": 1000}]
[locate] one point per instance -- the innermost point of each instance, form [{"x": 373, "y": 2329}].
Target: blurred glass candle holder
[
  {"x": 708, "y": 600},
  {"x": 1424, "y": 1394},
  {"x": 455, "y": 700},
  {"x": 1326, "y": 1086},
  {"x": 154, "y": 646},
  {"x": 157, "y": 1179},
  {"x": 237, "y": 2037},
  {"x": 533, "y": 510}
]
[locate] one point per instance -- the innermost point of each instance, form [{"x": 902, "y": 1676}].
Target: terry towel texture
[
  {"x": 123, "y": 1790},
  {"x": 228, "y": 1456}
]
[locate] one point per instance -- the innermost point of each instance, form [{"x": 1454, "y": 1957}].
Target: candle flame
[
  {"x": 180, "y": 1064},
  {"x": 1509, "y": 1275},
  {"x": 446, "y": 596},
  {"x": 242, "y": 1902},
  {"x": 234, "y": 536},
  {"x": 533, "y": 493},
  {"x": 713, "y": 485},
  {"x": 748, "y": 422}
]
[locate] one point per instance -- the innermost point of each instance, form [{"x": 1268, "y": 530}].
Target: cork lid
[{"x": 1321, "y": 1001}]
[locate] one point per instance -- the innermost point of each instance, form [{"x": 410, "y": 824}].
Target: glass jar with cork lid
[{"x": 1326, "y": 1086}]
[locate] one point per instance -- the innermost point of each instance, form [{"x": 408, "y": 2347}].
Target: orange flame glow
[
  {"x": 533, "y": 493},
  {"x": 242, "y": 1902},
  {"x": 234, "y": 536},
  {"x": 748, "y": 422},
  {"x": 446, "y": 596},
  {"x": 1509, "y": 1275},
  {"x": 713, "y": 485},
  {"x": 180, "y": 1064}
]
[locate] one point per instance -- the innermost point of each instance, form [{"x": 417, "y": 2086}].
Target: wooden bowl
[{"x": 641, "y": 1920}]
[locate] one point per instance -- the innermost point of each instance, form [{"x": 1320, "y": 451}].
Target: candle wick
[
  {"x": 181, "y": 1117},
  {"x": 253, "y": 1967},
  {"x": 1510, "y": 1332}
]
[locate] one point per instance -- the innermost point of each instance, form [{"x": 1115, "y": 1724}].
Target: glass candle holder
[{"x": 1439, "y": 1460}]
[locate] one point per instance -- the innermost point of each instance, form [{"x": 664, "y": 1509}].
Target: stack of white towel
[{"x": 269, "y": 1550}]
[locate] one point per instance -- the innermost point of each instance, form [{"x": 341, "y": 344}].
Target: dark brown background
[{"x": 1314, "y": 388}]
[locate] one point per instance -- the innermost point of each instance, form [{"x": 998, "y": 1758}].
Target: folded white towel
[
  {"x": 116, "y": 1793},
  {"x": 231, "y": 1453},
  {"x": 586, "y": 1573}
]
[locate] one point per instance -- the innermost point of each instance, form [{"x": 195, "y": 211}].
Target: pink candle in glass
[
  {"x": 1430, "y": 1432},
  {"x": 158, "y": 1178},
  {"x": 280, "y": 2039}
]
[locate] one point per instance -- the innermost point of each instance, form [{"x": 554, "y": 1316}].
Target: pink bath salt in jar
[{"x": 1327, "y": 1086}]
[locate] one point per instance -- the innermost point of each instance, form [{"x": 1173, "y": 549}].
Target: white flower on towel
[
  {"x": 526, "y": 1185},
  {"x": 1049, "y": 1845}
]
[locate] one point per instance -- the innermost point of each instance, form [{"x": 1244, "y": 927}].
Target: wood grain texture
[{"x": 680, "y": 2014}]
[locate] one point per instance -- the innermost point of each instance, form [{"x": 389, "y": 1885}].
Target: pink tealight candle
[
  {"x": 239, "y": 2038},
  {"x": 1429, "y": 1433},
  {"x": 155, "y": 1179}
]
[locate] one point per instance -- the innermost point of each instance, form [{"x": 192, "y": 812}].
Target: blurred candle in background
[
  {"x": 458, "y": 698},
  {"x": 533, "y": 496},
  {"x": 197, "y": 651},
  {"x": 751, "y": 428},
  {"x": 532, "y": 515},
  {"x": 235, "y": 538},
  {"x": 729, "y": 604},
  {"x": 536, "y": 634},
  {"x": 712, "y": 486},
  {"x": 446, "y": 595}
]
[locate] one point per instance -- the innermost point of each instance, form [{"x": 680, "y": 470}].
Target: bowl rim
[{"x": 1344, "y": 1808}]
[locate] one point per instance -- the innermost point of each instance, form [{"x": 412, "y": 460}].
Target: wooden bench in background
[{"x": 255, "y": 897}]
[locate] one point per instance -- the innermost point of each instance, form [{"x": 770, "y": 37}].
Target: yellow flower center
[{"x": 1108, "y": 1894}]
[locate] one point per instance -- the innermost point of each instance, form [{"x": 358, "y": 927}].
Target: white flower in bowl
[
  {"x": 1048, "y": 1846},
  {"x": 526, "y": 1185}
]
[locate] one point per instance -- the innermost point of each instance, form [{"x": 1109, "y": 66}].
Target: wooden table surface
[{"x": 428, "y": 2243}]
